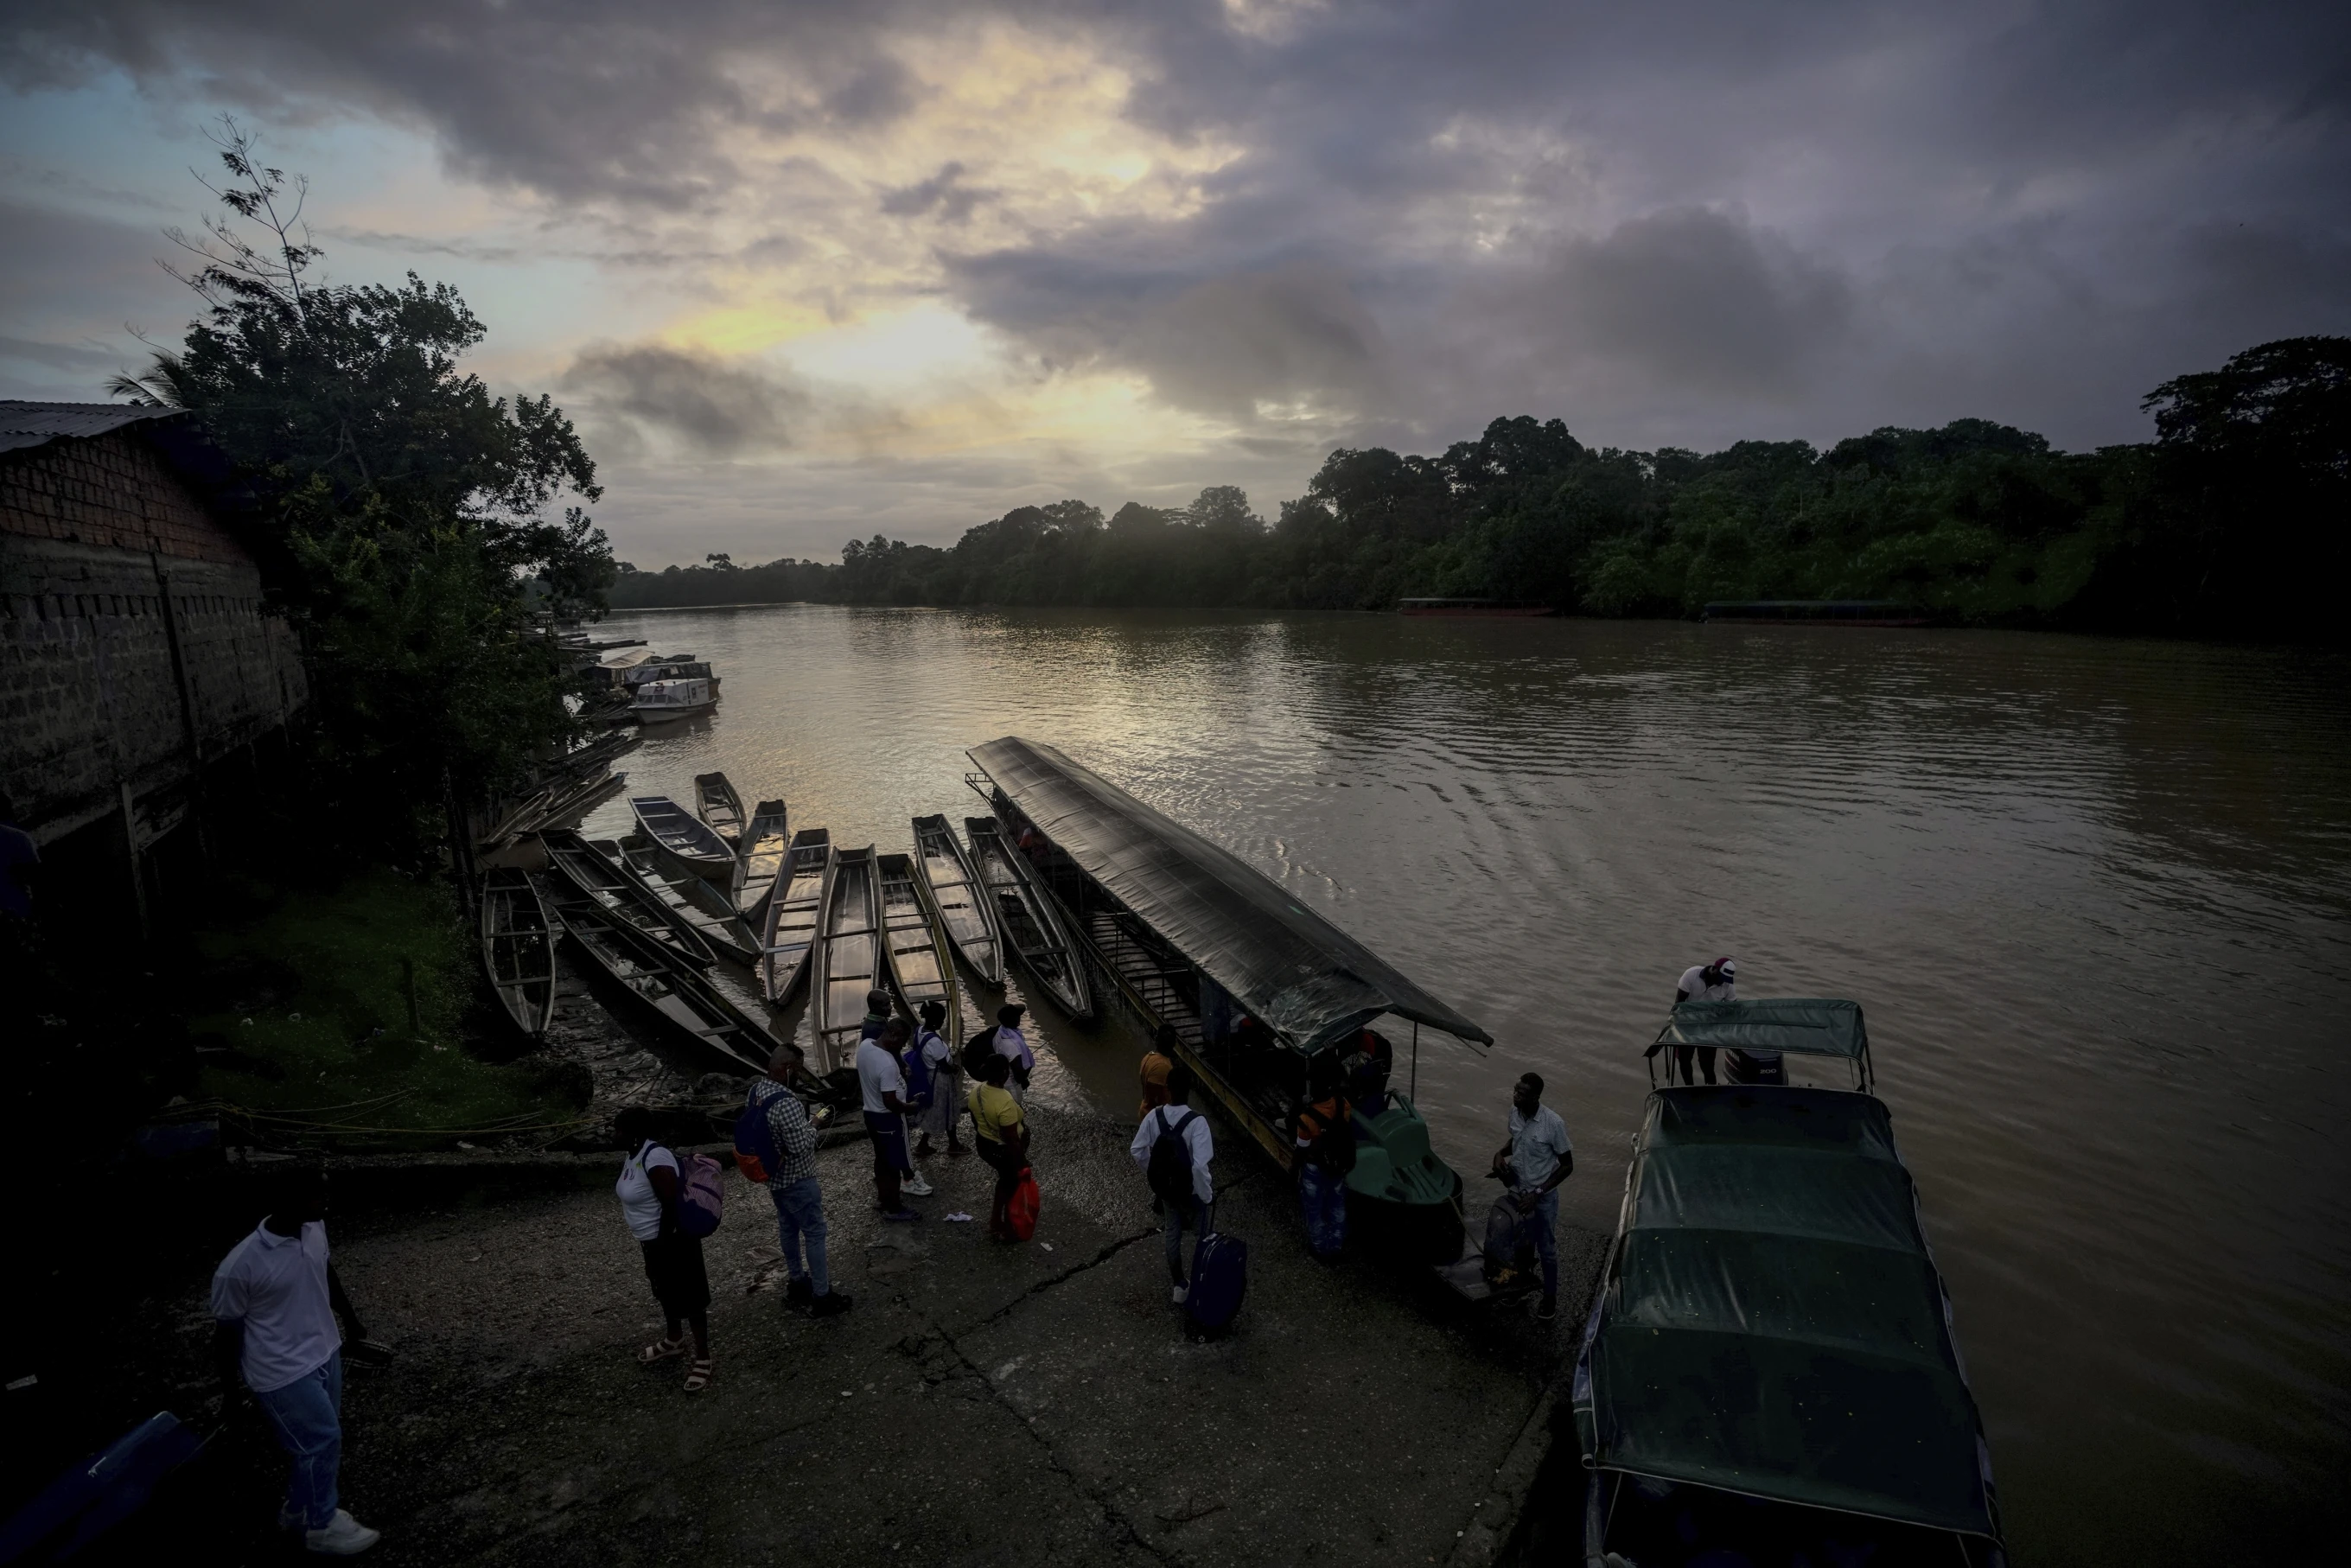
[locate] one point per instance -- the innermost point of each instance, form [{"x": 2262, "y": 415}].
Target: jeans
[
  {"x": 800, "y": 1218},
  {"x": 1322, "y": 1195},
  {"x": 307, "y": 1414},
  {"x": 888, "y": 1131},
  {"x": 1545, "y": 1220},
  {"x": 1174, "y": 1218}
]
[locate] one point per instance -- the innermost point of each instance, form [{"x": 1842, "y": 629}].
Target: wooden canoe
[
  {"x": 517, "y": 949},
  {"x": 1030, "y": 918},
  {"x": 847, "y": 961},
  {"x": 765, "y": 844},
  {"x": 961, "y": 906},
  {"x": 794, "y": 908},
  {"x": 695, "y": 1016},
  {"x": 691, "y": 899},
  {"x": 920, "y": 967},
  {"x": 719, "y": 806},
  {"x": 686, "y": 842},
  {"x": 625, "y": 897}
]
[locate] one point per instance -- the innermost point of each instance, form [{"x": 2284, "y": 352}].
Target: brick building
[{"x": 135, "y": 653}]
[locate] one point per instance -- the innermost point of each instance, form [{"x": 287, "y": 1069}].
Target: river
[{"x": 2093, "y": 895}]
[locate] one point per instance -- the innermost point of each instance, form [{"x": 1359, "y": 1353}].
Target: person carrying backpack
[
  {"x": 1325, "y": 1138},
  {"x": 945, "y": 1111},
  {"x": 1173, "y": 1147},
  {"x": 649, "y": 1190},
  {"x": 784, "y": 1154}
]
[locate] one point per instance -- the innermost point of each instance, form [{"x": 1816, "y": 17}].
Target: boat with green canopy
[
  {"x": 1770, "y": 1373},
  {"x": 1265, "y": 996}
]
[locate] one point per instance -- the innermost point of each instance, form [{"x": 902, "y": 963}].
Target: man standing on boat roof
[
  {"x": 1535, "y": 1160},
  {"x": 1715, "y": 982}
]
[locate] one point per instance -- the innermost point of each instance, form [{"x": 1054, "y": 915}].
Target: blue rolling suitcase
[{"x": 1220, "y": 1280}]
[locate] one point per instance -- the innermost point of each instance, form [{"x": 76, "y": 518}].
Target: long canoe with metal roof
[
  {"x": 954, "y": 892},
  {"x": 1266, "y": 997},
  {"x": 794, "y": 910},
  {"x": 1770, "y": 1373}
]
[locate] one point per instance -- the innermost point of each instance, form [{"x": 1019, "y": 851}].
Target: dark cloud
[
  {"x": 944, "y": 194},
  {"x": 708, "y": 405}
]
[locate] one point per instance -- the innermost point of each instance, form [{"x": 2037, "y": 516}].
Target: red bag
[{"x": 1021, "y": 1209}]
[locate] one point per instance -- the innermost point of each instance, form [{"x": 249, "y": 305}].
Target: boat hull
[
  {"x": 795, "y": 910},
  {"x": 957, "y": 901},
  {"x": 847, "y": 961},
  {"x": 518, "y": 948},
  {"x": 1030, "y": 920}
]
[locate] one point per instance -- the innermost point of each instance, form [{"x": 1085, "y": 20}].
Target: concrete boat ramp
[{"x": 982, "y": 1404}]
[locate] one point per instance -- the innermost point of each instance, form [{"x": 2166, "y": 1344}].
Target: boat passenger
[
  {"x": 877, "y": 1014},
  {"x": 1368, "y": 1063},
  {"x": 276, "y": 1297},
  {"x": 943, "y": 1113},
  {"x": 1715, "y": 982},
  {"x": 1002, "y": 1138},
  {"x": 1535, "y": 1160},
  {"x": 1325, "y": 1138},
  {"x": 883, "y": 1088},
  {"x": 1176, "y": 1119},
  {"x": 1013, "y": 1046},
  {"x": 648, "y": 1190},
  {"x": 1157, "y": 1063},
  {"x": 800, "y": 1201}
]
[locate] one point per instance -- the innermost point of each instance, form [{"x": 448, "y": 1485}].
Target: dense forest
[{"x": 2247, "y": 486}]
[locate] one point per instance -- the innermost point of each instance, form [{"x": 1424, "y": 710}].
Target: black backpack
[
  {"x": 1334, "y": 1149},
  {"x": 1170, "y": 1170},
  {"x": 977, "y": 1049}
]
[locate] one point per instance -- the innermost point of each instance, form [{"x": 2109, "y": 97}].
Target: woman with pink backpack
[{"x": 670, "y": 1207}]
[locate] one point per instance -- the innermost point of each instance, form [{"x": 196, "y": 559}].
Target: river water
[{"x": 2093, "y": 895}]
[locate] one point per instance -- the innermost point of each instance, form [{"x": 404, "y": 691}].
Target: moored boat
[
  {"x": 764, "y": 846},
  {"x": 602, "y": 877},
  {"x": 961, "y": 904},
  {"x": 794, "y": 910},
  {"x": 1265, "y": 997},
  {"x": 695, "y": 1013},
  {"x": 1030, "y": 922},
  {"x": 717, "y": 803},
  {"x": 691, "y": 899},
  {"x": 517, "y": 949},
  {"x": 1770, "y": 1373},
  {"x": 920, "y": 969},
  {"x": 847, "y": 961},
  {"x": 656, "y": 702},
  {"x": 687, "y": 844}
]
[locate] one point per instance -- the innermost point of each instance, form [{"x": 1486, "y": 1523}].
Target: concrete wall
[{"x": 133, "y": 647}]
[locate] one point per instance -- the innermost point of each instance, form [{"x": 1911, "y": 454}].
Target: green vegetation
[
  {"x": 303, "y": 1027},
  {"x": 399, "y": 511},
  {"x": 2247, "y": 486}
]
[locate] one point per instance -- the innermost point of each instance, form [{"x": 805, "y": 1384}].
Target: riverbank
[{"x": 981, "y": 1403}]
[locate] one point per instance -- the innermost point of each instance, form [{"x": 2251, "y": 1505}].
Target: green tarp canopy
[
  {"x": 1775, "y": 1325},
  {"x": 1810, "y": 1026},
  {"x": 1300, "y": 974}
]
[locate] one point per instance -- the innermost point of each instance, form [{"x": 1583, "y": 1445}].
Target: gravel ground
[{"x": 1037, "y": 1403}]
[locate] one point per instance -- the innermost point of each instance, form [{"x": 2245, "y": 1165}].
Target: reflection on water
[{"x": 2093, "y": 895}]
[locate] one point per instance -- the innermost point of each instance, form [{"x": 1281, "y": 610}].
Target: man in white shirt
[
  {"x": 1715, "y": 982},
  {"x": 1535, "y": 1160},
  {"x": 884, "y": 1085},
  {"x": 1176, "y": 1119},
  {"x": 276, "y": 1297}
]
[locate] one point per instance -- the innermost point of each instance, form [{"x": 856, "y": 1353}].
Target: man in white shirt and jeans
[
  {"x": 1537, "y": 1157},
  {"x": 276, "y": 1297},
  {"x": 1177, "y": 1119},
  {"x": 883, "y": 1084}
]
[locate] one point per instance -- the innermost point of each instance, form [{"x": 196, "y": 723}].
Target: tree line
[{"x": 2245, "y": 489}]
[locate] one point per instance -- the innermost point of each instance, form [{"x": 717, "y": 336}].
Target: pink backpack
[{"x": 701, "y": 1193}]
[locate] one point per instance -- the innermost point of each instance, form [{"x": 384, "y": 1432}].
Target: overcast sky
[{"x": 803, "y": 273}]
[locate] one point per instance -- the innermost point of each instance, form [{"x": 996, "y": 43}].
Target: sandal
[
  {"x": 697, "y": 1376},
  {"x": 661, "y": 1350}
]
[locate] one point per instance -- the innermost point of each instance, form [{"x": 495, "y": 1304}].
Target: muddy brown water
[{"x": 2093, "y": 895}]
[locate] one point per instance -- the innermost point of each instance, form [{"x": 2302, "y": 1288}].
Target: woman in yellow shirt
[{"x": 1003, "y": 1139}]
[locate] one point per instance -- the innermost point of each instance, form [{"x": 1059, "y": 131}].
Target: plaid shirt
[{"x": 795, "y": 1135}]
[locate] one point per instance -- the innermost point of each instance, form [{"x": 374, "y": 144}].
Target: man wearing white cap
[{"x": 1715, "y": 982}]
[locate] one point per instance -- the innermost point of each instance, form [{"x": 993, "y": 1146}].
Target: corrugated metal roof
[{"x": 38, "y": 424}]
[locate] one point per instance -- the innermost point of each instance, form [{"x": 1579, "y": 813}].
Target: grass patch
[{"x": 301, "y": 1014}]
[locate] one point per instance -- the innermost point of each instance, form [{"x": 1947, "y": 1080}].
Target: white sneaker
[
  {"x": 343, "y": 1537},
  {"x": 1180, "y": 1295},
  {"x": 916, "y": 1187}
]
